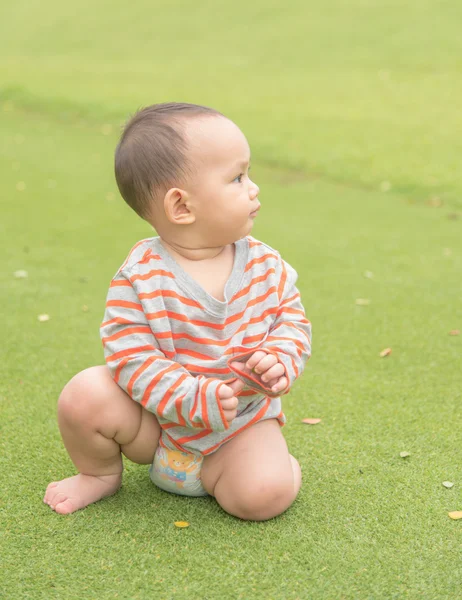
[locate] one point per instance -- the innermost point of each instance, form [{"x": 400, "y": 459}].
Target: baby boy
[{"x": 204, "y": 331}]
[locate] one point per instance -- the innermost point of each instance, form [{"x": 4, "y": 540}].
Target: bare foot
[{"x": 77, "y": 492}]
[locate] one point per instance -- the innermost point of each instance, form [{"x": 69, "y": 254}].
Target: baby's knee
[
  {"x": 85, "y": 394},
  {"x": 264, "y": 499}
]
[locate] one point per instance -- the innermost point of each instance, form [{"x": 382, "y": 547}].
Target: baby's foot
[{"x": 77, "y": 492}]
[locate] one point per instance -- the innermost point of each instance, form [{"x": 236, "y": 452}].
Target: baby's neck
[{"x": 193, "y": 254}]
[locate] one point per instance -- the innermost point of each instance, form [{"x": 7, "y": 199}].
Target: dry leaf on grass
[
  {"x": 385, "y": 186},
  {"x": 20, "y": 274},
  {"x": 404, "y": 454},
  {"x": 455, "y": 514},
  {"x": 454, "y": 332},
  {"x": 311, "y": 421},
  {"x": 448, "y": 484},
  {"x": 362, "y": 301},
  {"x": 43, "y": 318},
  {"x": 181, "y": 524},
  {"x": 385, "y": 352}
]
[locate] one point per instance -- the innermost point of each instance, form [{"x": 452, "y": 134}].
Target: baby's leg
[
  {"x": 98, "y": 421},
  {"x": 253, "y": 476}
]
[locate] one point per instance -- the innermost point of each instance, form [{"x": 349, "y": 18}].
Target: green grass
[{"x": 334, "y": 100}]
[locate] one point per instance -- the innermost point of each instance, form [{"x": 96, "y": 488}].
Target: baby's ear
[{"x": 176, "y": 206}]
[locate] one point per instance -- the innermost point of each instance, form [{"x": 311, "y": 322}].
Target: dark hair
[{"x": 153, "y": 155}]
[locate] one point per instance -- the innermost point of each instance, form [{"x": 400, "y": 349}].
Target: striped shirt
[{"x": 168, "y": 343}]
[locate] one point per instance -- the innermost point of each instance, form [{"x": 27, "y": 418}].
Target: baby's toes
[
  {"x": 48, "y": 491},
  {"x": 58, "y": 499},
  {"x": 51, "y": 497},
  {"x": 64, "y": 507}
]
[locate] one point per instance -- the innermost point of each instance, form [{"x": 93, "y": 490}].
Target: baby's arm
[
  {"x": 289, "y": 338},
  {"x": 140, "y": 368}
]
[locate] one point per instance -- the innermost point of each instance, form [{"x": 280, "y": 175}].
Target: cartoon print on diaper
[{"x": 178, "y": 465}]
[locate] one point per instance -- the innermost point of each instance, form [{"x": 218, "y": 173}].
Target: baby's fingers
[
  {"x": 237, "y": 386},
  {"x": 230, "y": 408},
  {"x": 273, "y": 373},
  {"x": 277, "y": 385},
  {"x": 255, "y": 359},
  {"x": 230, "y": 403}
]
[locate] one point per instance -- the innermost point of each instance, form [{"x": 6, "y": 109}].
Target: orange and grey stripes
[{"x": 170, "y": 345}]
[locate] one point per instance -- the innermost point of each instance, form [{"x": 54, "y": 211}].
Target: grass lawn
[{"x": 352, "y": 114}]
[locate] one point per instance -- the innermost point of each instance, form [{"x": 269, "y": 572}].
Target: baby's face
[{"x": 222, "y": 196}]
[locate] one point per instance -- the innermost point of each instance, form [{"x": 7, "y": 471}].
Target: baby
[{"x": 204, "y": 331}]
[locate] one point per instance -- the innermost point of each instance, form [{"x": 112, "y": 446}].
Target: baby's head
[{"x": 184, "y": 168}]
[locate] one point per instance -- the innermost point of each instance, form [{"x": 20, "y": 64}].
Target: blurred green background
[
  {"x": 360, "y": 91},
  {"x": 352, "y": 112}
]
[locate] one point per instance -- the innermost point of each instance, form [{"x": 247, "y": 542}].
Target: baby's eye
[{"x": 239, "y": 177}]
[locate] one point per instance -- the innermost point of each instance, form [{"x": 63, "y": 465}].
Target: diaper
[{"x": 177, "y": 472}]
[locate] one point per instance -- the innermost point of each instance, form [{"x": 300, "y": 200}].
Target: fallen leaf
[
  {"x": 368, "y": 274},
  {"x": 385, "y": 352},
  {"x": 311, "y": 421},
  {"x": 362, "y": 301},
  {"x": 454, "y": 332},
  {"x": 404, "y": 454},
  {"x": 20, "y": 186},
  {"x": 85, "y": 308},
  {"x": 448, "y": 484},
  {"x": 181, "y": 524},
  {"x": 456, "y": 514},
  {"x": 385, "y": 186},
  {"x": 43, "y": 318},
  {"x": 436, "y": 202},
  {"x": 20, "y": 274}
]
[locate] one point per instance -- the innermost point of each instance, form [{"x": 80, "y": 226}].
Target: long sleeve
[
  {"x": 289, "y": 338},
  {"x": 145, "y": 373}
]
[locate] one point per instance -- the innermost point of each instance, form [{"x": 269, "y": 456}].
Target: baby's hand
[
  {"x": 228, "y": 400},
  {"x": 270, "y": 370}
]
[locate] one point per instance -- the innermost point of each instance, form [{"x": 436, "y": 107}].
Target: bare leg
[
  {"x": 98, "y": 421},
  {"x": 253, "y": 476}
]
